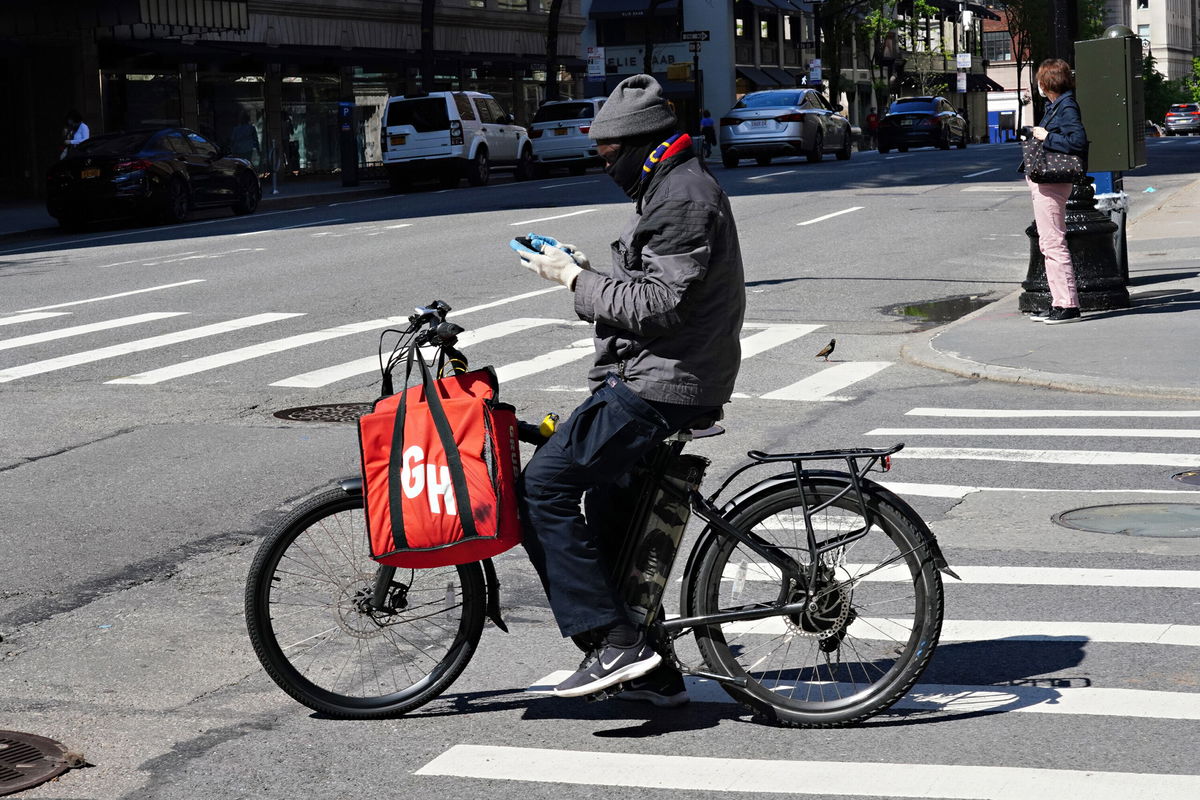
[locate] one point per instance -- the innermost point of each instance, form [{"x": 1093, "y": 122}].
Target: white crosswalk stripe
[
  {"x": 820, "y": 387},
  {"x": 31, "y": 317},
  {"x": 80, "y": 330}
]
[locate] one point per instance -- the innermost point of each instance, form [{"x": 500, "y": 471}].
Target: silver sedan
[{"x": 784, "y": 122}]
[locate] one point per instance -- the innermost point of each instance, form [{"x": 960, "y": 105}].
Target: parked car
[
  {"x": 449, "y": 135},
  {"x": 560, "y": 135},
  {"x": 157, "y": 174},
  {"x": 1182, "y": 118},
  {"x": 784, "y": 122},
  {"x": 922, "y": 122}
]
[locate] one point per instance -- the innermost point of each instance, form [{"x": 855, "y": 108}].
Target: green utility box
[{"x": 1108, "y": 86}]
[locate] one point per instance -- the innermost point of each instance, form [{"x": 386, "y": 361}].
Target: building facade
[
  {"x": 286, "y": 64},
  {"x": 1169, "y": 30}
]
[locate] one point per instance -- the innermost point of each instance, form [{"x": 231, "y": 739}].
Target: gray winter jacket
[{"x": 669, "y": 313}]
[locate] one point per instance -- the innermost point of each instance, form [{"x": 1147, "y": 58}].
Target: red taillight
[
  {"x": 133, "y": 165},
  {"x": 730, "y": 121},
  {"x": 886, "y": 463},
  {"x": 535, "y": 134},
  {"x": 930, "y": 122},
  {"x": 584, "y": 128},
  {"x": 1194, "y": 113},
  {"x": 794, "y": 117},
  {"x": 456, "y": 132}
]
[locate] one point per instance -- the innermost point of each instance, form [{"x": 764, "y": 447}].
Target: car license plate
[
  {"x": 907, "y": 123},
  {"x": 758, "y": 123},
  {"x": 89, "y": 173},
  {"x": 399, "y": 139},
  {"x": 560, "y": 131}
]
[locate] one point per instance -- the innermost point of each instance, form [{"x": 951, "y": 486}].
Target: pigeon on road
[{"x": 827, "y": 350}]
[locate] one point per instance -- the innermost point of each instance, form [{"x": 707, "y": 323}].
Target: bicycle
[{"x": 814, "y": 595}]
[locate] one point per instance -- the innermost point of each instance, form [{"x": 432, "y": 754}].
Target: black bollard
[{"x": 1091, "y": 240}]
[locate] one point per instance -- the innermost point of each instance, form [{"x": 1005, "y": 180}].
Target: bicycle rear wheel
[
  {"x": 866, "y": 637},
  {"x": 313, "y": 629}
]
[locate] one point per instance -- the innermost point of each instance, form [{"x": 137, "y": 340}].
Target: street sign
[
  {"x": 814, "y": 71},
  {"x": 695, "y": 36},
  {"x": 963, "y": 60},
  {"x": 595, "y": 62},
  {"x": 694, "y": 47}
]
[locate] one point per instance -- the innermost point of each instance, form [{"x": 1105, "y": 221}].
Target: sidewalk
[
  {"x": 18, "y": 218},
  {"x": 1142, "y": 351}
]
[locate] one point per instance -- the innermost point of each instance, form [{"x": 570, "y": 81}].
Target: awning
[
  {"x": 784, "y": 6},
  {"x": 976, "y": 82},
  {"x": 602, "y": 9},
  {"x": 757, "y": 77},
  {"x": 763, "y": 4},
  {"x": 780, "y": 76},
  {"x": 63, "y": 16}
]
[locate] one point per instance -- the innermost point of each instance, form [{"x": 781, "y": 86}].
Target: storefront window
[
  {"x": 226, "y": 101},
  {"x": 310, "y": 132},
  {"x": 512, "y": 5},
  {"x": 141, "y": 100}
]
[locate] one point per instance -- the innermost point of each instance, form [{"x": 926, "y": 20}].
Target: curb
[{"x": 923, "y": 353}]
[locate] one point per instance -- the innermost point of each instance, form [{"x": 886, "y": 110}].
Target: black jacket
[
  {"x": 1064, "y": 126},
  {"x": 669, "y": 312}
]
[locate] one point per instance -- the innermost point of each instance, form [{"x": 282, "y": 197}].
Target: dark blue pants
[{"x": 592, "y": 452}]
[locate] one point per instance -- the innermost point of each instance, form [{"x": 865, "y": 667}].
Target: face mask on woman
[{"x": 1041, "y": 91}]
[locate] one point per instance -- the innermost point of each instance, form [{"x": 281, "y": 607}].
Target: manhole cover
[
  {"x": 1163, "y": 520},
  {"x": 27, "y": 760},
  {"x": 1190, "y": 476},
  {"x": 330, "y": 412}
]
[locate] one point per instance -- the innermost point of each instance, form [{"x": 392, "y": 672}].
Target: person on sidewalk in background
[
  {"x": 708, "y": 132},
  {"x": 667, "y": 315},
  {"x": 872, "y": 128},
  {"x": 243, "y": 140},
  {"x": 75, "y": 131},
  {"x": 1061, "y": 131}
]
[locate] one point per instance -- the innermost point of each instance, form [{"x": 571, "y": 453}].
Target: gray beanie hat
[{"x": 634, "y": 108}]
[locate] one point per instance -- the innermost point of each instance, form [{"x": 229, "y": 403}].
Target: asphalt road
[{"x": 142, "y": 462}]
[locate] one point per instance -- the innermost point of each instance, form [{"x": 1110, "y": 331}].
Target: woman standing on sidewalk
[{"x": 1061, "y": 131}]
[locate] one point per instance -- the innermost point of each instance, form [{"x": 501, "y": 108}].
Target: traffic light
[{"x": 1108, "y": 86}]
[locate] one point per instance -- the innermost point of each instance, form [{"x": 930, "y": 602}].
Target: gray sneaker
[
  {"x": 663, "y": 687},
  {"x": 608, "y": 666}
]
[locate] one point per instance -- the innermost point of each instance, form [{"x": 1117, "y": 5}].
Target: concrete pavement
[{"x": 1146, "y": 350}]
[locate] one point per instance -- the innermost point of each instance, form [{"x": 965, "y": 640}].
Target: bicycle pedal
[{"x": 606, "y": 694}]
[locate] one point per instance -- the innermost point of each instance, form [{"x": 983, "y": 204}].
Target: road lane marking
[
  {"x": 555, "y": 358},
  {"x": 558, "y": 216},
  {"x": 49, "y": 246},
  {"x": 205, "y": 363},
  {"x": 987, "y": 630},
  {"x": 570, "y": 183},
  {"x": 771, "y": 175},
  {"x": 1133, "y": 433},
  {"x": 772, "y": 336},
  {"x": 91, "y": 327},
  {"x": 88, "y": 356},
  {"x": 994, "y": 576},
  {"x": 1089, "y": 457},
  {"x": 1054, "y": 412},
  {"x": 1013, "y": 188},
  {"x": 33, "y": 317},
  {"x": 139, "y": 260},
  {"x": 830, "y": 216},
  {"x": 203, "y": 256},
  {"x": 356, "y": 202},
  {"x": 114, "y": 296},
  {"x": 820, "y": 778},
  {"x": 982, "y": 172},
  {"x": 361, "y": 366},
  {"x": 959, "y": 492},
  {"x": 289, "y": 227},
  {"x": 820, "y": 387},
  {"x": 960, "y": 699}
]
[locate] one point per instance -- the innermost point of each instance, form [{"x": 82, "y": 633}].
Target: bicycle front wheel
[
  {"x": 867, "y": 634},
  {"x": 310, "y": 618}
]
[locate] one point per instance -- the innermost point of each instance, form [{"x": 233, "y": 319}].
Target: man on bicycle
[{"x": 667, "y": 320}]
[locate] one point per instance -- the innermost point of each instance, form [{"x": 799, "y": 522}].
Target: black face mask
[{"x": 626, "y": 171}]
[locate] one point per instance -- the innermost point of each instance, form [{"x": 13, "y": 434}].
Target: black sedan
[
  {"x": 922, "y": 122},
  {"x": 159, "y": 174}
]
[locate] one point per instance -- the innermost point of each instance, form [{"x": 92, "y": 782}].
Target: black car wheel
[
  {"x": 763, "y": 161},
  {"x": 397, "y": 179},
  {"x": 903, "y": 148},
  {"x": 249, "y": 193},
  {"x": 480, "y": 170},
  {"x": 728, "y": 160},
  {"x": 577, "y": 169},
  {"x": 962, "y": 143},
  {"x": 818, "y": 149},
  {"x": 847, "y": 147},
  {"x": 177, "y": 201},
  {"x": 884, "y": 149},
  {"x": 525, "y": 165},
  {"x": 70, "y": 222}
]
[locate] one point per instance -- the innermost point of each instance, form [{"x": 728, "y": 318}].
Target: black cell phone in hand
[{"x": 523, "y": 244}]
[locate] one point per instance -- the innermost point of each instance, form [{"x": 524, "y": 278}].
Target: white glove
[
  {"x": 577, "y": 255},
  {"x": 553, "y": 264}
]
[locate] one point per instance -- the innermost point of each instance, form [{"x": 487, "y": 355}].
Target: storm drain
[
  {"x": 1188, "y": 476},
  {"x": 1161, "y": 520},
  {"x": 330, "y": 412},
  {"x": 27, "y": 760}
]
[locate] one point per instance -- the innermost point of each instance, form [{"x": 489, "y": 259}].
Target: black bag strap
[{"x": 458, "y": 476}]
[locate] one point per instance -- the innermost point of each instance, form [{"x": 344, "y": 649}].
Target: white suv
[
  {"x": 451, "y": 134},
  {"x": 560, "y": 135}
]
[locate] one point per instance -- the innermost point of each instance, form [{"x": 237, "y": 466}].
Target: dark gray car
[{"x": 784, "y": 122}]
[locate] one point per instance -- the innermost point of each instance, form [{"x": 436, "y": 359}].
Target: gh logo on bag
[{"x": 416, "y": 477}]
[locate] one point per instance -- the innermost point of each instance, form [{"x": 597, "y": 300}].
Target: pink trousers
[{"x": 1049, "y": 212}]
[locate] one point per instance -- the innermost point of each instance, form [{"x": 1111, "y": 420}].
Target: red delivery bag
[{"x": 440, "y": 462}]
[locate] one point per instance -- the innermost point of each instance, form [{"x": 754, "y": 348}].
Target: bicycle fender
[
  {"x": 352, "y": 485},
  {"x": 939, "y": 560},
  {"x": 492, "y": 581}
]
